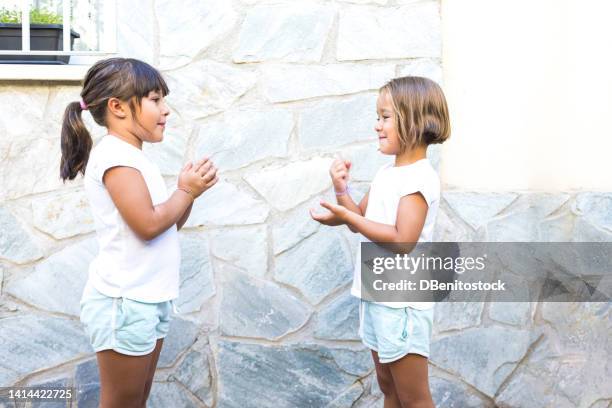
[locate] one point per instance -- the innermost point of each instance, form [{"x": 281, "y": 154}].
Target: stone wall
[{"x": 273, "y": 90}]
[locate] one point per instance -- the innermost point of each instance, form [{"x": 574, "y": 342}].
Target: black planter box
[{"x": 43, "y": 37}]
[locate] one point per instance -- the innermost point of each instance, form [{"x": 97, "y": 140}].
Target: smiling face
[
  {"x": 151, "y": 117},
  {"x": 386, "y": 126}
]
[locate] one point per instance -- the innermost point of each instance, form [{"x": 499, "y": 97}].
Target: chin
[
  {"x": 156, "y": 138},
  {"x": 385, "y": 150}
]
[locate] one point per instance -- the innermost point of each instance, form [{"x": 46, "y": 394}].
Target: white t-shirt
[
  {"x": 127, "y": 266},
  {"x": 389, "y": 185}
]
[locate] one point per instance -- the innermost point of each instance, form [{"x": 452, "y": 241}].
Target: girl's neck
[
  {"x": 410, "y": 156},
  {"x": 126, "y": 137}
]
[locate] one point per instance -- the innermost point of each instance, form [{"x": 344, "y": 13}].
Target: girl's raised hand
[
  {"x": 197, "y": 178},
  {"x": 208, "y": 172},
  {"x": 339, "y": 172},
  {"x": 325, "y": 218},
  {"x": 335, "y": 216}
]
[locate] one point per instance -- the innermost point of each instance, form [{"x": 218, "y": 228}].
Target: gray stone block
[
  {"x": 252, "y": 375},
  {"x": 32, "y": 342},
  {"x": 56, "y": 284},
  {"x": 339, "y": 320},
  {"x": 514, "y": 313},
  {"x": 380, "y": 33},
  {"x": 206, "y": 87},
  {"x": 181, "y": 336},
  {"x": 170, "y": 394},
  {"x": 260, "y": 309},
  {"x": 477, "y": 209},
  {"x": 596, "y": 208},
  {"x": 453, "y": 394},
  {"x": 242, "y": 137},
  {"x": 194, "y": 373},
  {"x": 224, "y": 204},
  {"x": 483, "y": 357},
  {"x": 294, "y": 226},
  {"x": 16, "y": 245},
  {"x": 295, "y": 33},
  {"x": 457, "y": 315},
  {"x": 317, "y": 266},
  {"x": 197, "y": 281},
  {"x": 87, "y": 384},
  {"x": 336, "y": 123},
  {"x": 245, "y": 248}
]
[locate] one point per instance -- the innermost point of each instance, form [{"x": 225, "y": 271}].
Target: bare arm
[
  {"x": 411, "y": 213},
  {"x": 130, "y": 194},
  {"x": 184, "y": 218},
  {"x": 339, "y": 173},
  {"x": 347, "y": 202},
  {"x": 333, "y": 219}
]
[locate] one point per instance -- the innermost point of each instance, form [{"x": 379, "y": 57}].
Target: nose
[
  {"x": 377, "y": 126},
  {"x": 165, "y": 110}
]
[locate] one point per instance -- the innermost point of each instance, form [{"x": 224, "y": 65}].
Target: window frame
[{"x": 80, "y": 61}]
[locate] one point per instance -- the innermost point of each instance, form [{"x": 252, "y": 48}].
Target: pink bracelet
[{"x": 341, "y": 193}]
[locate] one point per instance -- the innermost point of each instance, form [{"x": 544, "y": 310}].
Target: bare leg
[
  {"x": 122, "y": 379},
  {"x": 385, "y": 382},
  {"x": 411, "y": 379},
  {"x": 152, "y": 367}
]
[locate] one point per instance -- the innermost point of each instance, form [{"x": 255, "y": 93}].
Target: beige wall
[{"x": 530, "y": 91}]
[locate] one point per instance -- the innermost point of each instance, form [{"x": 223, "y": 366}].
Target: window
[{"x": 54, "y": 39}]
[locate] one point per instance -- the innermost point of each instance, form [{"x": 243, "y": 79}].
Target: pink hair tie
[{"x": 83, "y": 104}]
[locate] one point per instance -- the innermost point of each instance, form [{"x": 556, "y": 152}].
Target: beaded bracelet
[{"x": 341, "y": 193}]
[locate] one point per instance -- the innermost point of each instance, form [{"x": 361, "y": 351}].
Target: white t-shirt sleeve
[
  {"x": 107, "y": 159},
  {"x": 421, "y": 185}
]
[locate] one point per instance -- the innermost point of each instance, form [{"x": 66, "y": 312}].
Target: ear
[{"x": 118, "y": 108}]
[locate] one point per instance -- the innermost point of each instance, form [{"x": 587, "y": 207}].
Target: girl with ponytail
[{"x": 126, "y": 303}]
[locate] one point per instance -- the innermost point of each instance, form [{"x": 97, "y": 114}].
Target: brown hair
[
  {"x": 127, "y": 79},
  {"x": 420, "y": 111}
]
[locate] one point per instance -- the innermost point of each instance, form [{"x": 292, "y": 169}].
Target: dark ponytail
[
  {"x": 127, "y": 79},
  {"x": 76, "y": 143}
]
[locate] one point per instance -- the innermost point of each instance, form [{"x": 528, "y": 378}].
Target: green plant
[{"x": 37, "y": 16}]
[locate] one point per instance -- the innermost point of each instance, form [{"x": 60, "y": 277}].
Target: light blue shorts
[
  {"x": 123, "y": 325},
  {"x": 392, "y": 332}
]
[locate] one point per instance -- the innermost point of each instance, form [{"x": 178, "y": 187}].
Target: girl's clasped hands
[{"x": 196, "y": 178}]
